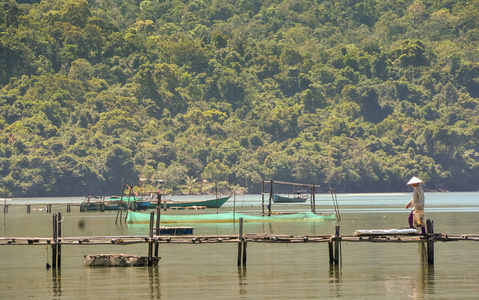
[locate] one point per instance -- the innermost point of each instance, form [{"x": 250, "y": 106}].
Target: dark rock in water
[{"x": 118, "y": 260}]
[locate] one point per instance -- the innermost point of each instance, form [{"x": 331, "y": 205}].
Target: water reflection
[
  {"x": 334, "y": 280},
  {"x": 424, "y": 284},
  {"x": 154, "y": 280},
  {"x": 56, "y": 283},
  {"x": 242, "y": 280}
]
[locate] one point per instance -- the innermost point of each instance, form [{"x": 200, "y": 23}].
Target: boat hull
[
  {"x": 212, "y": 203},
  {"x": 282, "y": 199}
]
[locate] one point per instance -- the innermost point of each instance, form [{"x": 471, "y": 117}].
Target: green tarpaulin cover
[{"x": 144, "y": 218}]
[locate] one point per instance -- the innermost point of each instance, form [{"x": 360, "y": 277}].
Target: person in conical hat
[{"x": 416, "y": 217}]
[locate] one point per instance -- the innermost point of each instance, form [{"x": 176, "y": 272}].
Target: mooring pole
[
  {"x": 430, "y": 241},
  {"x": 150, "y": 240}
]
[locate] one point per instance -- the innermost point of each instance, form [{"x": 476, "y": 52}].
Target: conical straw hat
[{"x": 414, "y": 180}]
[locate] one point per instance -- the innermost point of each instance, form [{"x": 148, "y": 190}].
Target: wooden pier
[{"x": 153, "y": 240}]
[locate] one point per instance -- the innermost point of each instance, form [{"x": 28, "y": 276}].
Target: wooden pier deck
[
  {"x": 153, "y": 240},
  {"x": 257, "y": 238}
]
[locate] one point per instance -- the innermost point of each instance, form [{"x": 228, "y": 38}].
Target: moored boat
[
  {"x": 298, "y": 198},
  {"x": 209, "y": 203},
  {"x": 129, "y": 202}
]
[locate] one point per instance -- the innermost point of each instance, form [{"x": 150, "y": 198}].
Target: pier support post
[
  {"x": 334, "y": 246},
  {"x": 430, "y": 241},
  {"x": 68, "y": 207},
  {"x": 56, "y": 247},
  {"x": 49, "y": 208},
  {"x": 59, "y": 236},
  {"x": 28, "y": 208},
  {"x": 241, "y": 245}
]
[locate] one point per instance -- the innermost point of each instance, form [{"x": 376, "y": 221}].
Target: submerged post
[{"x": 430, "y": 241}]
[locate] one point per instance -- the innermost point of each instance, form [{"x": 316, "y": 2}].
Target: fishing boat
[
  {"x": 298, "y": 198},
  {"x": 209, "y": 203},
  {"x": 129, "y": 202},
  {"x": 93, "y": 204}
]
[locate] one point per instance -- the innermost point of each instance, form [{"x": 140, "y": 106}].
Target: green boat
[
  {"x": 144, "y": 218},
  {"x": 131, "y": 202},
  {"x": 211, "y": 203}
]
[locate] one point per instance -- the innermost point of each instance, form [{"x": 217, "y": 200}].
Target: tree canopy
[{"x": 358, "y": 96}]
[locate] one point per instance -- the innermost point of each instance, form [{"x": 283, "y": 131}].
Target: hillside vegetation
[{"x": 355, "y": 95}]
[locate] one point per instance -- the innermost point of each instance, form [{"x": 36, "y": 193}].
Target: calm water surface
[{"x": 281, "y": 271}]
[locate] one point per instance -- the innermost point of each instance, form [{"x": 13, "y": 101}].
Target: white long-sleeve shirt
[{"x": 417, "y": 200}]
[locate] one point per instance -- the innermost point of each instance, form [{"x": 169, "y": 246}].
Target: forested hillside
[{"x": 357, "y": 95}]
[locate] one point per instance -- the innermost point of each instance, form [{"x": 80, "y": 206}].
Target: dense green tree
[{"x": 352, "y": 95}]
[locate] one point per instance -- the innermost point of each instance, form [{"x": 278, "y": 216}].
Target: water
[{"x": 282, "y": 271}]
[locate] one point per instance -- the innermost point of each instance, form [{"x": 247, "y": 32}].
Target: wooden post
[
  {"x": 334, "y": 245},
  {"x": 313, "y": 198},
  {"x": 240, "y": 241},
  {"x": 337, "y": 245},
  {"x": 245, "y": 244},
  {"x": 262, "y": 199},
  {"x": 59, "y": 236},
  {"x": 330, "y": 247},
  {"x": 150, "y": 241},
  {"x": 270, "y": 198},
  {"x": 68, "y": 207},
  {"x": 54, "y": 243},
  {"x": 430, "y": 241},
  {"x": 158, "y": 213},
  {"x": 28, "y": 208}
]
